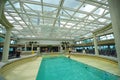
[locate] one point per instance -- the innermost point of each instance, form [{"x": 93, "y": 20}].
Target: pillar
[
  {"x": 65, "y": 48},
  {"x": 32, "y": 47},
  {"x": 2, "y": 3},
  {"x": 60, "y": 49},
  {"x": 6, "y": 45},
  {"x": 114, "y": 6},
  {"x": 95, "y": 45},
  {"x": 25, "y": 46}
]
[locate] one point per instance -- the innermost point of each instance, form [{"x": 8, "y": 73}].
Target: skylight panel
[
  {"x": 80, "y": 15},
  {"x": 64, "y": 17},
  {"x": 102, "y": 1},
  {"x": 56, "y": 2},
  {"x": 70, "y": 24},
  {"x": 108, "y": 15},
  {"x": 17, "y": 18},
  {"x": 21, "y": 22},
  {"x": 17, "y": 5},
  {"x": 87, "y": 35},
  {"x": 90, "y": 18},
  {"x": 106, "y": 11},
  {"x": 21, "y": 36},
  {"x": 76, "y": 27},
  {"x": 101, "y": 26},
  {"x": 99, "y": 11},
  {"x": 36, "y": 0},
  {"x": 106, "y": 2},
  {"x": 63, "y": 37},
  {"x": 99, "y": 0},
  {"x": 70, "y": 12},
  {"x": 49, "y": 24},
  {"x": 14, "y": 14},
  {"x": 33, "y": 6},
  {"x": 67, "y": 26},
  {"x": 82, "y": 24},
  {"x": 63, "y": 23},
  {"x": 67, "y": 37},
  {"x": 102, "y": 20},
  {"x": 18, "y": 27},
  {"x": 24, "y": 26},
  {"x": 7, "y": 5},
  {"x": 48, "y": 20},
  {"x": 66, "y": 13},
  {"x": 72, "y": 4},
  {"x": 9, "y": 17},
  {"x": 87, "y": 27},
  {"x": 87, "y": 7},
  {"x": 6, "y": 13},
  {"x": 46, "y": 8},
  {"x": 33, "y": 36},
  {"x": 16, "y": 32},
  {"x": 26, "y": 6},
  {"x": 31, "y": 13},
  {"x": 34, "y": 20},
  {"x": 11, "y": 21},
  {"x": 94, "y": 25}
]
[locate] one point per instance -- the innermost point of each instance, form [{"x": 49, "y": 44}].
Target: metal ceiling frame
[{"x": 69, "y": 23}]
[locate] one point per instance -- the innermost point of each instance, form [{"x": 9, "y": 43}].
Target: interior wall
[{"x": 42, "y": 42}]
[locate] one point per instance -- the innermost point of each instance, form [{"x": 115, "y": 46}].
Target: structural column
[
  {"x": 2, "y": 3},
  {"x": 65, "y": 48},
  {"x": 6, "y": 45},
  {"x": 95, "y": 45},
  {"x": 25, "y": 46},
  {"x": 114, "y": 6},
  {"x": 32, "y": 47},
  {"x": 60, "y": 49}
]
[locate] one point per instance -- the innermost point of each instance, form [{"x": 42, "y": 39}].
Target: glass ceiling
[{"x": 58, "y": 19}]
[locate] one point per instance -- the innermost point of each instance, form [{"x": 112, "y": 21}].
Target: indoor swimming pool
[{"x": 62, "y": 68}]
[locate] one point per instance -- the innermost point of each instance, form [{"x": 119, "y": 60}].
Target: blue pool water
[{"x": 62, "y": 68}]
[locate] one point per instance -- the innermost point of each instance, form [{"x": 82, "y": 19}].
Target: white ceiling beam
[
  {"x": 65, "y": 8},
  {"x": 59, "y": 9},
  {"x": 28, "y": 19},
  {"x": 18, "y": 23},
  {"x": 17, "y": 12}
]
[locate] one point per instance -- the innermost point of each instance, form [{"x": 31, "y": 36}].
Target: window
[
  {"x": 110, "y": 36},
  {"x": 103, "y": 38}
]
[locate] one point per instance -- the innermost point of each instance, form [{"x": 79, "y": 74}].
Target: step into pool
[{"x": 62, "y": 68}]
